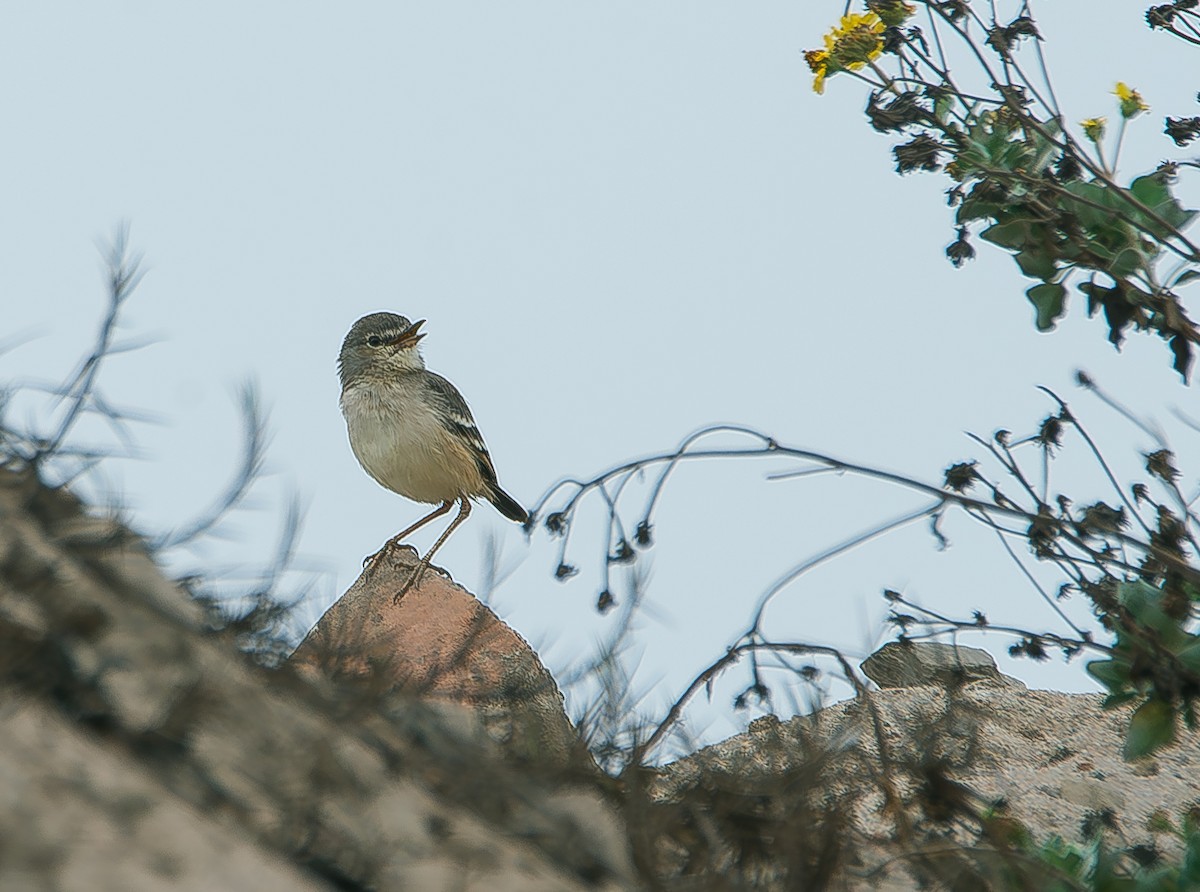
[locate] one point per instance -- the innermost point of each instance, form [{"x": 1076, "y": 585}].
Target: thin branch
[
  {"x": 830, "y": 553},
  {"x": 124, "y": 275},
  {"x": 732, "y": 656},
  {"x": 254, "y": 443}
]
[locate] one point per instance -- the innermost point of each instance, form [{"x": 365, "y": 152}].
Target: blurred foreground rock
[{"x": 142, "y": 752}]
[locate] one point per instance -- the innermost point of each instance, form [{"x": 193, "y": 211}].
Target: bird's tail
[{"x": 507, "y": 505}]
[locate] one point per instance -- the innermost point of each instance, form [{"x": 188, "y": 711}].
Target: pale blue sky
[{"x": 623, "y": 221}]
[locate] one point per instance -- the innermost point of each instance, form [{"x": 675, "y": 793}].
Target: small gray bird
[{"x": 411, "y": 429}]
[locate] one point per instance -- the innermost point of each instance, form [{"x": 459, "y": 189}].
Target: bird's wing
[{"x": 456, "y": 415}]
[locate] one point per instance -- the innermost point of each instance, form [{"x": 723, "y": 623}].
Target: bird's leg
[
  {"x": 369, "y": 562},
  {"x": 463, "y": 511}
]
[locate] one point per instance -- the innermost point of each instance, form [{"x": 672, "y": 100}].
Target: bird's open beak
[{"x": 410, "y": 336}]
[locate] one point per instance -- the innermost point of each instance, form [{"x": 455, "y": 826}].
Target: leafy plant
[{"x": 1022, "y": 177}]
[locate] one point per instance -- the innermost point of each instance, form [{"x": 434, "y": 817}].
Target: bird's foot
[
  {"x": 413, "y": 582},
  {"x": 371, "y": 561}
]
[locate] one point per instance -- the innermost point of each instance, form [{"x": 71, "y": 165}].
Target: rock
[
  {"x": 906, "y": 664},
  {"x": 1042, "y": 760},
  {"x": 439, "y": 643},
  {"x": 1092, "y": 794},
  {"x": 78, "y": 815}
]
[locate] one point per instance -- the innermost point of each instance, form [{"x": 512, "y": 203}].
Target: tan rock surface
[
  {"x": 1053, "y": 758},
  {"x": 905, "y": 664}
]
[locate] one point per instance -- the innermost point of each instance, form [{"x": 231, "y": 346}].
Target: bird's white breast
[{"x": 400, "y": 442}]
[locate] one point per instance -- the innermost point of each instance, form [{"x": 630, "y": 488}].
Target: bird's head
[{"x": 382, "y": 344}]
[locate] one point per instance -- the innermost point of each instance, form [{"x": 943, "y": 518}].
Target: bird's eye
[{"x": 375, "y": 341}]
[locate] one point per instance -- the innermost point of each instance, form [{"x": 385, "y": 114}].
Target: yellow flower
[
  {"x": 855, "y": 40},
  {"x": 818, "y": 63},
  {"x": 1093, "y": 128},
  {"x": 850, "y": 44},
  {"x": 1130, "y": 101}
]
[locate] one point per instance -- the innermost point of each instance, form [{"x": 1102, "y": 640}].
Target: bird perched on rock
[{"x": 411, "y": 429}]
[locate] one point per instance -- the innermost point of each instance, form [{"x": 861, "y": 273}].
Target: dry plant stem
[
  {"x": 1099, "y": 171},
  {"x": 1012, "y": 65},
  {"x": 1017, "y": 856},
  {"x": 1192, "y": 40},
  {"x": 123, "y": 278},
  {"x": 249, "y": 470},
  {"x": 944, "y": 74},
  {"x": 961, "y": 625},
  {"x": 1155, "y": 433},
  {"x": 893, "y": 801},
  {"x": 731, "y": 656},
  {"x": 1149, "y": 428},
  {"x": 1068, "y": 143},
  {"x": 1055, "y": 107},
  {"x": 772, "y": 448},
  {"x": 1032, "y": 580},
  {"x": 829, "y": 554},
  {"x": 1112, "y": 478},
  {"x": 682, "y": 449}
]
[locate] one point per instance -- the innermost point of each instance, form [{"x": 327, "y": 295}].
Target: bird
[{"x": 412, "y": 431}]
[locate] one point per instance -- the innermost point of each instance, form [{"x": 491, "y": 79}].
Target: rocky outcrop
[
  {"x": 904, "y": 664},
  {"x": 140, "y": 751},
  {"x": 951, "y": 756}
]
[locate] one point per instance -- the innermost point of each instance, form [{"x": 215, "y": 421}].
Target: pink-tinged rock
[{"x": 438, "y": 642}]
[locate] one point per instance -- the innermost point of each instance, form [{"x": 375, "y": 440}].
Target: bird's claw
[
  {"x": 371, "y": 560},
  {"x": 413, "y": 580}
]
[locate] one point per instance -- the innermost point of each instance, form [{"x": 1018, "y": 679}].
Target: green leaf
[
  {"x": 1101, "y": 250},
  {"x": 1112, "y": 701},
  {"x": 983, "y": 201},
  {"x": 1014, "y": 235},
  {"x": 1047, "y": 150},
  {"x": 1090, "y": 218},
  {"x": 1127, "y": 260},
  {"x": 943, "y": 105},
  {"x": 1191, "y": 860},
  {"x": 1037, "y": 264},
  {"x": 1188, "y": 275},
  {"x": 1154, "y": 191},
  {"x": 1152, "y": 727},
  {"x": 1113, "y": 674},
  {"x": 1189, "y": 655},
  {"x": 1143, "y": 601},
  {"x": 1048, "y": 299}
]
